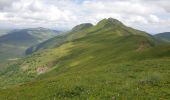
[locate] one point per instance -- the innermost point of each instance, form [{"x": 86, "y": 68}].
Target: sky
[{"x": 152, "y": 16}]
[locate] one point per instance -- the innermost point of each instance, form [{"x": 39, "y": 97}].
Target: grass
[
  {"x": 94, "y": 64},
  {"x": 140, "y": 80},
  {"x": 91, "y": 70}
]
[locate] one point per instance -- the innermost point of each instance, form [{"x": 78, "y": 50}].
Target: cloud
[
  {"x": 5, "y": 3},
  {"x": 148, "y": 15}
]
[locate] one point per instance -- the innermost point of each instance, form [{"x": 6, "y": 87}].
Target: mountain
[
  {"x": 59, "y": 40},
  {"x": 51, "y": 43},
  {"x": 4, "y": 31},
  {"x": 164, "y": 36},
  {"x": 101, "y": 62},
  {"x": 111, "y": 25},
  {"x": 82, "y": 27},
  {"x": 16, "y": 42}
]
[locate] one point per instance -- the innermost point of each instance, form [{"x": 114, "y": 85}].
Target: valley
[{"x": 14, "y": 44}]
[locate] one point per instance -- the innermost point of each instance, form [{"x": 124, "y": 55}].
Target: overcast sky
[{"x": 152, "y": 16}]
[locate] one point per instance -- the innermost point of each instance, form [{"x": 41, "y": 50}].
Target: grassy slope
[
  {"x": 97, "y": 74},
  {"x": 51, "y": 43},
  {"x": 164, "y": 36},
  {"x": 142, "y": 80},
  {"x": 60, "y": 39},
  {"x": 99, "y": 65}
]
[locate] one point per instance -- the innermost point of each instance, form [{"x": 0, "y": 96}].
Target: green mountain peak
[
  {"x": 82, "y": 27},
  {"x": 114, "y": 21},
  {"x": 109, "y": 22}
]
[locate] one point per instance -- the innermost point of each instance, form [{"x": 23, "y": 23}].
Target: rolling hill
[
  {"x": 14, "y": 44},
  {"x": 164, "y": 36},
  {"x": 96, "y": 62}
]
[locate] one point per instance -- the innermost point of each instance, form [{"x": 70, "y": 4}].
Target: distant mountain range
[{"x": 15, "y": 43}]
